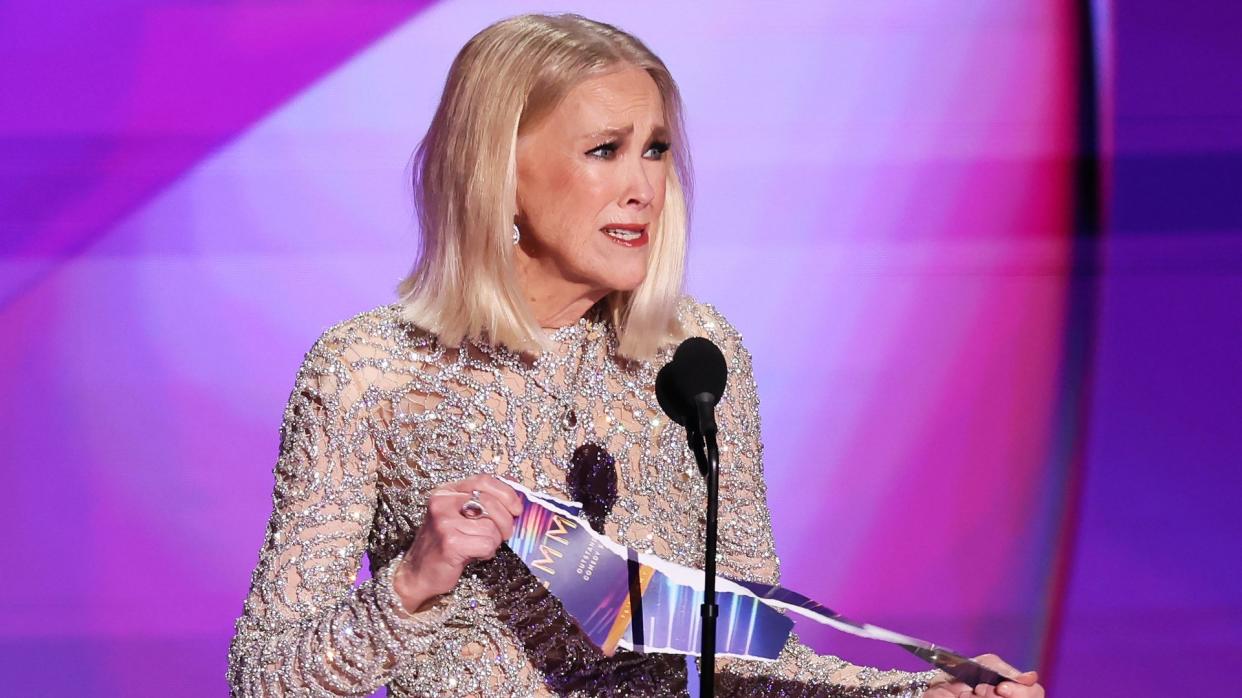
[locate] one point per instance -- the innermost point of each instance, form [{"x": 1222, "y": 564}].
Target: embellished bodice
[{"x": 382, "y": 413}]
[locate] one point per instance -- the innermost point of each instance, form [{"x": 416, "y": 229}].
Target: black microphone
[
  {"x": 690, "y": 385},
  {"x": 688, "y": 388}
]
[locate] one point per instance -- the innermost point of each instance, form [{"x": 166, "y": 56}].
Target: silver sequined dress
[{"x": 381, "y": 413}]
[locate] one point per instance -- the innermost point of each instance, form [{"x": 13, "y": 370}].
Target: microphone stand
[{"x": 709, "y": 466}]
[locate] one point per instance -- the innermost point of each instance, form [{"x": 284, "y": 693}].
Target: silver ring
[{"x": 473, "y": 508}]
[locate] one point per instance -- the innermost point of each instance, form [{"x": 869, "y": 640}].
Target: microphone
[{"x": 689, "y": 386}]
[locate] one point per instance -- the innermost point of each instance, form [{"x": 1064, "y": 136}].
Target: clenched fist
[{"x": 455, "y": 534}]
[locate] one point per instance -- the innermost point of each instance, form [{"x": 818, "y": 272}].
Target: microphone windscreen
[
  {"x": 666, "y": 394},
  {"x": 700, "y": 368}
]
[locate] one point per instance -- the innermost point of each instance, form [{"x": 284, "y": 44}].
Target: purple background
[{"x": 999, "y": 375}]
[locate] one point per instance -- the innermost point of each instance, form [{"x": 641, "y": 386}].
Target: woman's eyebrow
[
  {"x": 611, "y": 133},
  {"x": 660, "y": 131}
]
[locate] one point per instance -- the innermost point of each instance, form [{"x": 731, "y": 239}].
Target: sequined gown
[{"x": 381, "y": 413}]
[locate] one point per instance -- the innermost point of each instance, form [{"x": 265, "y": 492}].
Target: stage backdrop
[{"x": 886, "y": 205}]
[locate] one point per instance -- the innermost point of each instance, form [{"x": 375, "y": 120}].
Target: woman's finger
[
  {"x": 1010, "y": 689},
  {"x": 449, "y": 504},
  {"x": 476, "y": 546},
  {"x": 505, "y": 494},
  {"x": 994, "y": 662},
  {"x": 444, "y": 506},
  {"x": 495, "y": 512},
  {"x": 984, "y": 689},
  {"x": 1029, "y": 678}
]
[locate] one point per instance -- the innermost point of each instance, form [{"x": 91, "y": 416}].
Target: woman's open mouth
[{"x": 627, "y": 234}]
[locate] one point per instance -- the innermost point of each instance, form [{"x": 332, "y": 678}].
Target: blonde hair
[{"x": 463, "y": 285}]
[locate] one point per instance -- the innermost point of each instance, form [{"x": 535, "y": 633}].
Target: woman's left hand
[{"x": 1023, "y": 685}]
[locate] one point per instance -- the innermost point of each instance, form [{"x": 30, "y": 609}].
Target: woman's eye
[{"x": 604, "y": 151}]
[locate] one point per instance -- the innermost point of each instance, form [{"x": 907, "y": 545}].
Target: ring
[{"x": 473, "y": 508}]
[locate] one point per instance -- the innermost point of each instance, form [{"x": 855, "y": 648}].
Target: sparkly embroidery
[{"x": 381, "y": 413}]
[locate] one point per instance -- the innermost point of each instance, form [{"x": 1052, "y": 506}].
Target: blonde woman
[{"x": 552, "y": 193}]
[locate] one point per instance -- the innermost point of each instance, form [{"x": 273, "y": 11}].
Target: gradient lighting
[{"x": 882, "y": 209}]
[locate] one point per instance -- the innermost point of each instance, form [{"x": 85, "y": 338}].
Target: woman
[{"x": 551, "y": 192}]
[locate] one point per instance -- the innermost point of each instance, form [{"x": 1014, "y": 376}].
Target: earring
[{"x": 517, "y": 234}]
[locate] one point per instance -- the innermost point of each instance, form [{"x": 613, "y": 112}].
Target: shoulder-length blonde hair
[{"x": 463, "y": 284}]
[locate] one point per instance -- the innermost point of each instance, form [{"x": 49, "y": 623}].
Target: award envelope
[{"x": 623, "y": 598}]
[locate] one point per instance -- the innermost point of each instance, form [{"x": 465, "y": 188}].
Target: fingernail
[{"x": 1005, "y": 689}]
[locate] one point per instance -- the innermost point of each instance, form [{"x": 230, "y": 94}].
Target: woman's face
[{"x": 590, "y": 186}]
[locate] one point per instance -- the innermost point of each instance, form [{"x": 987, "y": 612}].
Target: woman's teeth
[{"x": 626, "y": 235}]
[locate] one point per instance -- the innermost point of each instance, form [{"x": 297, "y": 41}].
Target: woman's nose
[{"x": 638, "y": 191}]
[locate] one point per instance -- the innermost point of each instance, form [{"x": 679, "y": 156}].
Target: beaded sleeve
[
  {"x": 746, "y": 548},
  {"x": 306, "y": 629}
]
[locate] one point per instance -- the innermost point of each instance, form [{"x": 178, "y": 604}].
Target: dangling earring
[{"x": 517, "y": 234}]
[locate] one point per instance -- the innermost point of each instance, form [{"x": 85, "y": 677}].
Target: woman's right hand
[{"x": 448, "y": 540}]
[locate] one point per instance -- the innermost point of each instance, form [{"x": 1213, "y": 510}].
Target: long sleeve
[
  {"x": 746, "y": 549},
  {"x": 306, "y": 629}
]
